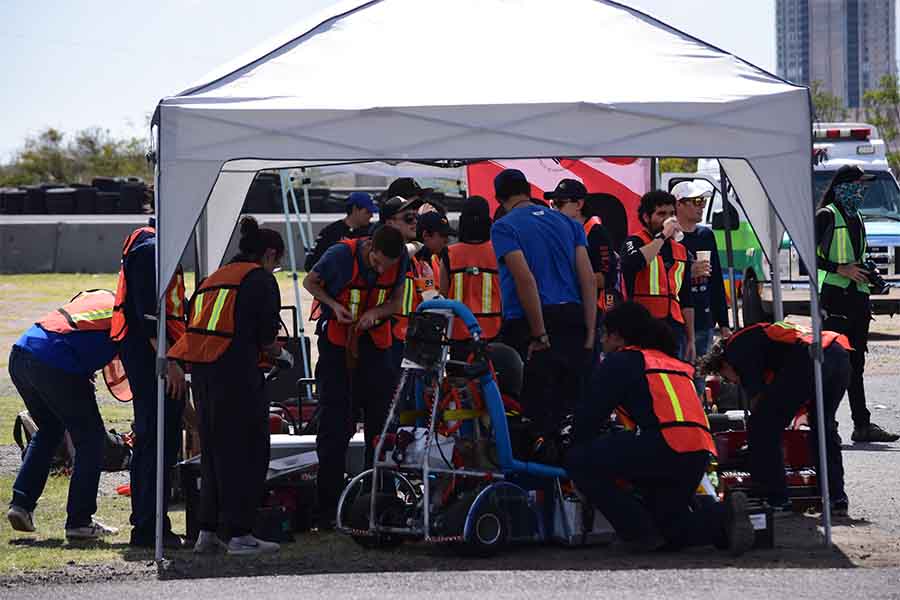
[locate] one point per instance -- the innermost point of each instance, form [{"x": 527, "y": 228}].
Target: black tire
[
  {"x": 389, "y": 510},
  {"x": 751, "y": 302},
  {"x": 489, "y": 532}
]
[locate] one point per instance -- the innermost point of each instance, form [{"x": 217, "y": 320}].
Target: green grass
[
  {"x": 47, "y": 548},
  {"x": 24, "y": 298}
]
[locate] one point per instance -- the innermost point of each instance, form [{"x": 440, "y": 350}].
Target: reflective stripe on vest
[
  {"x": 475, "y": 281},
  {"x": 358, "y": 297},
  {"x": 842, "y": 252},
  {"x": 91, "y": 310},
  {"x": 174, "y": 297},
  {"x": 212, "y": 324},
  {"x": 415, "y": 284},
  {"x": 786, "y": 332},
  {"x": 656, "y": 288},
  {"x": 682, "y": 420}
]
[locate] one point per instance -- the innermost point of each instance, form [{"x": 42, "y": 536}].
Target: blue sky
[{"x": 73, "y": 64}]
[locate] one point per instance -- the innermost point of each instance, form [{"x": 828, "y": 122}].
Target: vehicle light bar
[{"x": 843, "y": 133}]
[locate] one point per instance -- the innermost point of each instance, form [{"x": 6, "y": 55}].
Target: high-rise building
[{"x": 848, "y": 45}]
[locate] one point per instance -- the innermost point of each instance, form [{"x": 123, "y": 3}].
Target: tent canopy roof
[{"x": 370, "y": 81}]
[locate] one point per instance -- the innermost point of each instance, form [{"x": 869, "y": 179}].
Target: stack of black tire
[{"x": 105, "y": 195}]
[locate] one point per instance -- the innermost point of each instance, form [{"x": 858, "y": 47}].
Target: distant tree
[
  {"x": 826, "y": 105},
  {"x": 90, "y": 153},
  {"x": 883, "y": 111},
  {"x": 677, "y": 165}
]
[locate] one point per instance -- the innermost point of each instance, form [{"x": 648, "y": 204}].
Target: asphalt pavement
[
  {"x": 702, "y": 584},
  {"x": 872, "y": 482}
]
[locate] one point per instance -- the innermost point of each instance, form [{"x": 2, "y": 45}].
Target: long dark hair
[
  {"x": 637, "y": 327},
  {"x": 255, "y": 240}
]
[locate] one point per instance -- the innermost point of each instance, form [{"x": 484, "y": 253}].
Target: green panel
[{"x": 742, "y": 240}]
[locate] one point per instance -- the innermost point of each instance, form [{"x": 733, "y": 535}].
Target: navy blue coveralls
[
  {"x": 139, "y": 359},
  {"x": 664, "y": 481}
]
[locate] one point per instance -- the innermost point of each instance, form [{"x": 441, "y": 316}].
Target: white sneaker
[
  {"x": 208, "y": 543},
  {"x": 20, "y": 519},
  {"x": 94, "y": 531},
  {"x": 248, "y": 545}
]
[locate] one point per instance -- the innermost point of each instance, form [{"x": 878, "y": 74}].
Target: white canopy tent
[{"x": 573, "y": 78}]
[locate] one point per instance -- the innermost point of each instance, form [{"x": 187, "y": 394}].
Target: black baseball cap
[
  {"x": 407, "y": 187},
  {"x": 434, "y": 222},
  {"x": 398, "y": 204},
  {"x": 851, "y": 174},
  {"x": 567, "y": 189},
  {"x": 510, "y": 182}
]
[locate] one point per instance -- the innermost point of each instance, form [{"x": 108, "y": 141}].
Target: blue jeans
[
  {"x": 58, "y": 401},
  {"x": 702, "y": 341}
]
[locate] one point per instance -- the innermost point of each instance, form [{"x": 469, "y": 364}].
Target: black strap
[
  {"x": 671, "y": 424},
  {"x": 200, "y": 331},
  {"x": 68, "y": 317}
]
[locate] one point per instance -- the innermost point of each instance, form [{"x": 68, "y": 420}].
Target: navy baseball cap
[
  {"x": 362, "y": 200},
  {"x": 434, "y": 222},
  {"x": 567, "y": 189},
  {"x": 510, "y": 182}
]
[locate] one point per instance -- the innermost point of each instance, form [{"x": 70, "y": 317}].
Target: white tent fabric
[
  {"x": 539, "y": 79},
  {"x": 324, "y": 91}
]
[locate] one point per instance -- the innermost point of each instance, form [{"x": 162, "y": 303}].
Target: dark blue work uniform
[
  {"x": 780, "y": 376},
  {"x": 139, "y": 359},
  {"x": 343, "y": 391},
  {"x": 54, "y": 375},
  {"x": 665, "y": 480},
  {"x": 233, "y": 412}
]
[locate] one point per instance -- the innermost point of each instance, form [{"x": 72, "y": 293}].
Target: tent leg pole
[
  {"x": 160, "y": 386},
  {"x": 729, "y": 245},
  {"x": 775, "y": 265},
  {"x": 305, "y": 181},
  {"x": 286, "y": 181},
  {"x": 306, "y": 240},
  {"x": 308, "y": 247},
  {"x": 816, "y": 349}
]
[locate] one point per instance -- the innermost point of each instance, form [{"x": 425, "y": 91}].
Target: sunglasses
[
  {"x": 698, "y": 202},
  {"x": 410, "y": 218}
]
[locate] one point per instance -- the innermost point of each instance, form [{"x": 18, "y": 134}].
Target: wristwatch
[
  {"x": 660, "y": 236},
  {"x": 541, "y": 339}
]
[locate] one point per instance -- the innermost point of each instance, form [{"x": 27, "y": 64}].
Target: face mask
[{"x": 850, "y": 195}]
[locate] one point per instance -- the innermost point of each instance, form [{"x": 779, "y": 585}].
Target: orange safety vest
[
  {"x": 789, "y": 333},
  {"x": 474, "y": 281},
  {"x": 682, "y": 421},
  {"x": 211, "y": 326},
  {"x": 175, "y": 322},
  {"x": 413, "y": 286},
  {"x": 601, "y": 294},
  {"x": 358, "y": 297},
  {"x": 656, "y": 288},
  {"x": 91, "y": 310}
]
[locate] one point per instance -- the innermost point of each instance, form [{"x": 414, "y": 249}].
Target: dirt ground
[{"x": 864, "y": 542}]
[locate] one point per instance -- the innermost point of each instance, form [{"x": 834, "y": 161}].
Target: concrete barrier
[{"x": 93, "y": 243}]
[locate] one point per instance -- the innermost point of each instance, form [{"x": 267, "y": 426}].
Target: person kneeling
[{"x": 664, "y": 450}]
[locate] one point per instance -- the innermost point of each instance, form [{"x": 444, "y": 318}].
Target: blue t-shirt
[
  {"x": 548, "y": 240},
  {"x": 336, "y": 270},
  {"x": 78, "y": 353}
]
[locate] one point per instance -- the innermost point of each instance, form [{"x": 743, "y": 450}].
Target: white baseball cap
[{"x": 694, "y": 188}]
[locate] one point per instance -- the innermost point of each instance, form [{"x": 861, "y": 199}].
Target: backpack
[
  {"x": 24, "y": 429},
  {"x": 116, "y": 452}
]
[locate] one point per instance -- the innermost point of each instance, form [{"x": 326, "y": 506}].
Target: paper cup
[{"x": 704, "y": 255}]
